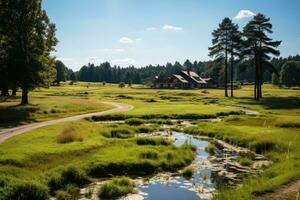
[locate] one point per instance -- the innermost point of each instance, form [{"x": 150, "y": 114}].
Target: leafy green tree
[
  {"x": 61, "y": 71},
  {"x": 275, "y": 79},
  {"x": 259, "y": 47},
  {"x": 290, "y": 74},
  {"x": 221, "y": 47},
  {"x": 31, "y": 38}
]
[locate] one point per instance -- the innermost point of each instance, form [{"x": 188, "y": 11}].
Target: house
[{"x": 185, "y": 79}]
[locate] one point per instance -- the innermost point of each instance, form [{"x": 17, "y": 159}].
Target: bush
[
  {"x": 68, "y": 135},
  {"x": 26, "y": 191},
  {"x": 211, "y": 148},
  {"x": 63, "y": 195},
  {"x": 115, "y": 188},
  {"x": 121, "y": 85},
  {"x": 122, "y": 132},
  {"x": 262, "y": 146},
  {"x": 245, "y": 161},
  {"x": 152, "y": 141},
  {"x": 134, "y": 121},
  {"x": 161, "y": 121},
  {"x": 187, "y": 172},
  {"x": 70, "y": 175},
  {"x": 145, "y": 129}
]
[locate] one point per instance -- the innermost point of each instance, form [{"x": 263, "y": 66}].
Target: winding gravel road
[{"x": 10, "y": 132}]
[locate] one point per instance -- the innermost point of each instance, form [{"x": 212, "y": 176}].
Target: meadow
[{"x": 47, "y": 156}]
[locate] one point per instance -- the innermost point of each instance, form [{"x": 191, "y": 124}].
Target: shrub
[
  {"x": 152, "y": 141},
  {"x": 68, "y": 135},
  {"x": 161, "y": 121},
  {"x": 145, "y": 129},
  {"x": 262, "y": 146},
  {"x": 115, "y": 188},
  {"x": 63, "y": 195},
  {"x": 245, "y": 161},
  {"x": 121, "y": 132},
  {"x": 121, "y": 85},
  {"x": 26, "y": 191},
  {"x": 70, "y": 175},
  {"x": 187, "y": 172},
  {"x": 134, "y": 121},
  {"x": 211, "y": 148}
]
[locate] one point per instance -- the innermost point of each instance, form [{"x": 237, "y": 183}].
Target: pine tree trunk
[
  {"x": 24, "y": 96},
  {"x": 231, "y": 75},
  {"x": 256, "y": 87},
  {"x": 225, "y": 73}
]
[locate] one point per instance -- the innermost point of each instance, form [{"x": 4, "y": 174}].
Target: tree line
[{"x": 105, "y": 72}]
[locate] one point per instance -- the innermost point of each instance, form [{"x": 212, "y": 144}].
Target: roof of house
[
  {"x": 180, "y": 78},
  {"x": 191, "y": 73}
]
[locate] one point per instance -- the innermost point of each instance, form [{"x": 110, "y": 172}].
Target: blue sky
[{"x": 142, "y": 32}]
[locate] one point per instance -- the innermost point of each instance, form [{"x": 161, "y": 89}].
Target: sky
[{"x": 143, "y": 32}]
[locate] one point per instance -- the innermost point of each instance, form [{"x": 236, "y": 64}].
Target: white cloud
[
  {"x": 125, "y": 61},
  {"x": 172, "y": 28},
  {"x": 127, "y": 40},
  {"x": 151, "y": 28},
  {"x": 113, "y": 50},
  {"x": 244, "y": 14},
  {"x": 64, "y": 59}
]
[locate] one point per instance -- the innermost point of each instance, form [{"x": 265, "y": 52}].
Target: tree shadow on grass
[
  {"x": 277, "y": 102},
  {"x": 12, "y": 116}
]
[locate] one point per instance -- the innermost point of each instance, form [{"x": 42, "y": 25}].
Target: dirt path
[
  {"x": 8, "y": 133},
  {"x": 286, "y": 192}
]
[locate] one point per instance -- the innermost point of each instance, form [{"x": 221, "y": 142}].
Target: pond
[{"x": 200, "y": 186}]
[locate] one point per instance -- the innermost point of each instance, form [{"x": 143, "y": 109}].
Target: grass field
[{"x": 38, "y": 155}]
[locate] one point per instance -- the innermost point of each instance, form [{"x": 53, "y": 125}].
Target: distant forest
[{"x": 105, "y": 72}]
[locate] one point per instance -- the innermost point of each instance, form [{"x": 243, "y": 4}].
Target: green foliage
[
  {"x": 245, "y": 161},
  {"x": 121, "y": 85},
  {"x": 290, "y": 74},
  {"x": 25, "y": 191},
  {"x": 211, "y": 149},
  {"x": 134, "y": 121},
  {"x": 115, "y": 188},
  {"x": 30, "y": 40},
  {"x": 188, "y": 172},
  {"x": 259, "y": 45},
  {"x": 152, "y": 141},
  {"x": 68, "y": 176},
  {"x": 122, "y": 132},
  {"x": 151, "y": 154}
]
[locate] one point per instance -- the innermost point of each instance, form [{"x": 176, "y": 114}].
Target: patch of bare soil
[{"x": 290, "y": 191}]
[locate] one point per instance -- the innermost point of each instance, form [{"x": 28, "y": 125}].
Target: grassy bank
[{"x": 39, "y": 157}]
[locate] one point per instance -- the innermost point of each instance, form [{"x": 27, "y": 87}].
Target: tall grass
[
  {"x": 67, "y": 135},
  {"x": 115, "y": 188}
]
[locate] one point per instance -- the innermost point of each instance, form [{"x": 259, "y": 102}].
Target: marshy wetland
[{"x": 173, "y": 143}]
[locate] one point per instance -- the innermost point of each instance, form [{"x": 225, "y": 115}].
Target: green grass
[
  {"x": 275, "y": 133},
  {"x": 115, "y": 188},
  {"x": 37, "y": 157}
]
